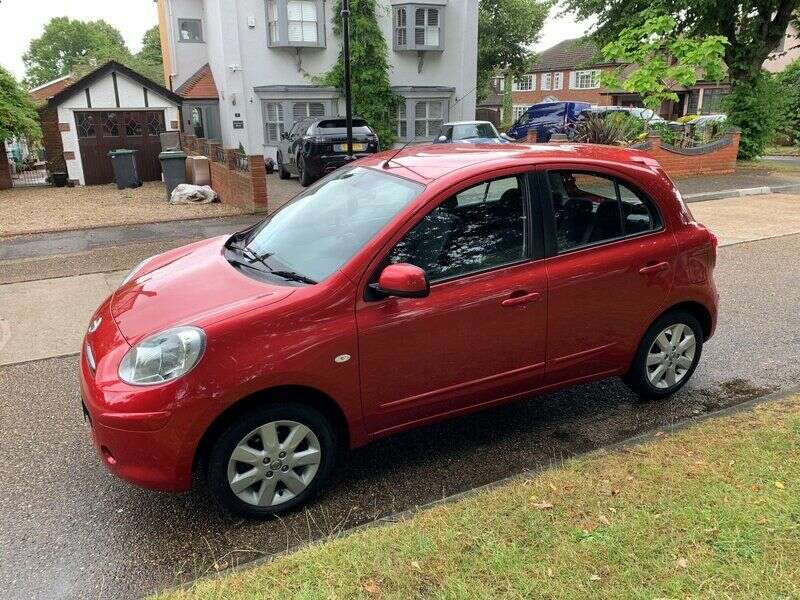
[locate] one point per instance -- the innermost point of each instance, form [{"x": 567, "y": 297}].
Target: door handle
[
  {"x": 521, "y": 298},
  {"x": 654, "y": 268}
]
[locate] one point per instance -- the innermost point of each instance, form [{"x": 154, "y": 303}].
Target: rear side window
[{"x": 590, "y": 208}]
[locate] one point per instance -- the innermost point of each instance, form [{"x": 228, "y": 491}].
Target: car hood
[{"x": 191, "y": 285}]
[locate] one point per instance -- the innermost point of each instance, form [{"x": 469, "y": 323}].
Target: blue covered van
[{"x": 546, "y": 118}]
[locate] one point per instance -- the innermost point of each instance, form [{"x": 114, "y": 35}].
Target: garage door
[{"x": 104, "y": 130}]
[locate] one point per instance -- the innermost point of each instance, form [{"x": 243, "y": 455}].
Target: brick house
[{"x": 571, "y": 70}]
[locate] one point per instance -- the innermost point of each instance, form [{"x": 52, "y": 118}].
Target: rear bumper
[{"x": 327, "y": 163}]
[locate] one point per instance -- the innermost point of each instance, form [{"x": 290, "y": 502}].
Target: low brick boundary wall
[
  {"x": 715, "y": 158},
  {"x": 237, "y": 180}
]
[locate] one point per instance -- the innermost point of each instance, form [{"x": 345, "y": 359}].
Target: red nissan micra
[{"x": 395, "y": 292}]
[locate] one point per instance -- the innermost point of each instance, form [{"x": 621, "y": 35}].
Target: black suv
[{"x": 316, "y": 146}]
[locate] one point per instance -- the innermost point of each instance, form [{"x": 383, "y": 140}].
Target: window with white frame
[
  {"x": 526, "y": 83},
  {"x": 401, "y": 26},
  {"x": 274, "y": 124},
  {"x": 518, "y": 110},
  {"x": 428, "y": 118},
  {"x": 547, "y": 81},
  {"x": 499, "y": 84},
  {"x": 586, "y": 80},
  {"x": 417, "y": 27},
  {"x": 190, "y": 30},
  {"x": 302, "y": 110},
  {"x": 558, "y": 80},
  {"x": 402, "y": 120},
  {"x": 296, "y": 23}
]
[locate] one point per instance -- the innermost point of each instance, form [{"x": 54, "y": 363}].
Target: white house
[
  {"x": 110, "y": 108},
  {"x": 246, "y": 68}
]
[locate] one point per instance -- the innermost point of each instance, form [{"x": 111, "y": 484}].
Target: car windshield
[
  {"x": 467, "y": 131},
  {"x": 323, "y": 227}
]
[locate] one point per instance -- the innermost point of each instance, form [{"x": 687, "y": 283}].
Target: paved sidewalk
[{"x": 743, "y": 183}]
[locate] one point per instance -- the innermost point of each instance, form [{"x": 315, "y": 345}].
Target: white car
[{"x": 469, "y": 132}]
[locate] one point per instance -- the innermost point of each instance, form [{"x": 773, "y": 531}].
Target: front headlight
[{"x": 163, "y": 357}]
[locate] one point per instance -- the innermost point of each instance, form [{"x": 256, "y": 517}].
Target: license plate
[{"x": 343, "y": 147}]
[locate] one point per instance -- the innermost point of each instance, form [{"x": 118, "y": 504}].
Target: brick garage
[{"x": 240, "y": 181}]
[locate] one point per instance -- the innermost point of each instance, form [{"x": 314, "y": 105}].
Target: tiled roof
[
  {"x": 43, "y": 92},
  {"x": 569, "y": 54},
  {"x": 200, "y": 86}
]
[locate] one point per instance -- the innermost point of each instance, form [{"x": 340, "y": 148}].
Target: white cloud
[
  {"x": 559, "y": 28},
  {"x": 23, "y": 20}
]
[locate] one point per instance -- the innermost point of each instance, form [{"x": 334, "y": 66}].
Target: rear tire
[
  {"x": 667, "y": 356},
  {"x": 271, "y": 460},
  {"x": 283, "y": 173},
  {"x": 305, "y": 177}
]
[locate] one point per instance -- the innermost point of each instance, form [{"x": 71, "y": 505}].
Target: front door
[
  {"x": 480, "y": 334},
  {"x": 611, "y": 272}
]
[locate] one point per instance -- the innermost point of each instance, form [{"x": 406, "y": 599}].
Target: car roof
[
  {"x": 433, "y": 161},
  {"x": 467, "y": 123}
]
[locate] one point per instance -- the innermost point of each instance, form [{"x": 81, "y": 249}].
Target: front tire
[
  {"x": 271, "y": 460},
  {"x": 667, "y": 356}
]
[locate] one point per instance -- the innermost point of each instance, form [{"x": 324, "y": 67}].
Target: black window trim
[
  {"x": 534, "y": 232},
  {"x": 549, "y": 220}
]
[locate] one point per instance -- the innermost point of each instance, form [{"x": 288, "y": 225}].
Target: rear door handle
[
  {"x": 654, "y": 268},
  {"x": 521, "y": 298}
]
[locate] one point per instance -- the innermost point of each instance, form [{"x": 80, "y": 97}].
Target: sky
[{"x": 23, "y": 20}]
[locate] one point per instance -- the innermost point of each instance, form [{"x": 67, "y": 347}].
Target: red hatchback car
[{"x": 401, "y": 290}]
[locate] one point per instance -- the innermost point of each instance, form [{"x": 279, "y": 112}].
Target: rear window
[{"x": 340, "y": 123}]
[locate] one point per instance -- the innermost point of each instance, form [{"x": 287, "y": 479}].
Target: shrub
[
  {"x": 617, "y": 129},
  {"x": 789, "y": 128},
  {"x": 754, "y": 107}
]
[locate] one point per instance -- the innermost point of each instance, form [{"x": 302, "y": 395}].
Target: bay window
[
  {"x": 296, "y": 23},
  {"x": 418, "y": 26}
]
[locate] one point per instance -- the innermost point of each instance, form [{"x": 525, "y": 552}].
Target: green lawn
[{"x": 712, "y": 511}]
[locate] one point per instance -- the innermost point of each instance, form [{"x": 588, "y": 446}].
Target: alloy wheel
[
  {"x": 671, "y": 356},
  {"x": 274, "y": 463}
]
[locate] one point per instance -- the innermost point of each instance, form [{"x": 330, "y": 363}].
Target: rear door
[{"x": 610, "y": 267}]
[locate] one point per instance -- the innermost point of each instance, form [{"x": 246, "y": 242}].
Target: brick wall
[
  {"x": 5, "y": 168},
  {"x": 716, "y": 158},
  {"x": 246, "y": 189},
  {"x": 51, "y": 139}
]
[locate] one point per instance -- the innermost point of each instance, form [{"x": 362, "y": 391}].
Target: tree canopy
[
  {"x": 506, "y": 31},
  {"x": 67, "y": 43},
  {"x": 662, "y": 58},
  {"x": 752, "y": 28},
  {"x": 18, "y": 116},
  {"x": 151, "y": 46}
]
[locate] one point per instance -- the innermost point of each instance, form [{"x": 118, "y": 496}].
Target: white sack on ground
[{"x": 186, "y": 193}]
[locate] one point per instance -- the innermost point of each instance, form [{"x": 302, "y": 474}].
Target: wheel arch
[
  {"x": 698, "y": 310},
  {"x": 298, "y": 394}
]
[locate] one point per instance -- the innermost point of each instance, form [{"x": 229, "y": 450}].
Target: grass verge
[
  {"x": 766, "y": 166},
  {"x": 709, "y": 511}
]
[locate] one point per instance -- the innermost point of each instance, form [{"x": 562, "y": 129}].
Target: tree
[
  {"x": 662, "y": 57},
  {"x": 18, "y": 116},
  {"x": 752, "y": 28},
  {"x": 789, "y": 81},
  {"x": 373, "y": 98},
  {"x": 67, "y": 43},
  {"x": 506, "y": 30},
  {"x": 151, "y": 47}
]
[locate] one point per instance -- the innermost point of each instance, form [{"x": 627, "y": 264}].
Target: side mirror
[
  {"x": 404, "y": 281},
  {"x": 442, "y": 139},
  {"x": 507, "y": 137}
]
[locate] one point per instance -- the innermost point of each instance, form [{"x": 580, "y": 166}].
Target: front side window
[
  {"x": 323, "y": 227},
  {"x": 190, "y": 30},
  {"x": 590, "y": 208},
  {"x": 480, "y": 228},
  {"x": 273, "y": 121},
  {"x": 428, "y": 118}
]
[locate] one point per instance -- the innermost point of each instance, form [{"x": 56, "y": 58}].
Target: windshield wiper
[
  {"x": 292, "y": 276},
  {"x": 253, "y": 256}
]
